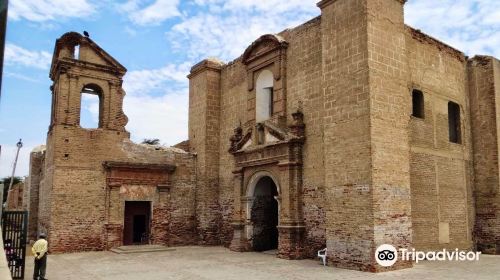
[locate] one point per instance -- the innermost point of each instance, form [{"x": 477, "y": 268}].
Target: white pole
[{"x": 19, "y": 146}]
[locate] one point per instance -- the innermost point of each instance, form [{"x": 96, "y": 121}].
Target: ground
[{"x": 219, "y": 264}]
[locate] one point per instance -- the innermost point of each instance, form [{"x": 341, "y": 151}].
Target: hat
[{"x": 42, "y": 235}]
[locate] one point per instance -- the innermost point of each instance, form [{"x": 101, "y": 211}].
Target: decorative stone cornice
[
  {"x": 263, "y": 45},
  {"x": 322, "y": 4},
  {"x": 207, "y": 64},
  {"x": 133, "y": 165}
]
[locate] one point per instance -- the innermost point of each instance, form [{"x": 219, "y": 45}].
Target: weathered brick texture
[
  {"x": 484, "y": 77},
  {"x": 204, "y": 126},
  {"x": 15, "y": 197},
  {"x": 351, "y": 167},
  {"x": 89, "y": 174}
]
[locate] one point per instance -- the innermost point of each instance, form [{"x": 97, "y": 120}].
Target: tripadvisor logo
[{"x": 387, "y": 255}]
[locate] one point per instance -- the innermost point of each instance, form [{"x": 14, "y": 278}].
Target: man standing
[{"x": 39, "y": 250}]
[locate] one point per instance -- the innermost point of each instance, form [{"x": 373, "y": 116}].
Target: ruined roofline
[
  {"x": 415, "y": 33},
  {"x": 482, "y": 59},
  {"x": 420, "y": 36},
  {"x": 323, "y": 3},
  {"x": 39, "y": 149},
  {"x": 184, "y": 145},
  {"x": 312, "y": 22}
]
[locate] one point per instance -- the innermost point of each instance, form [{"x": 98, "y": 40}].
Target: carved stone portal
[{"x": 279, "y": 157}]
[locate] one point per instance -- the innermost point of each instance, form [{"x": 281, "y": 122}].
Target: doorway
[
  {"x": 137, "y": 222},
  {"x": 264, "y": 216}
]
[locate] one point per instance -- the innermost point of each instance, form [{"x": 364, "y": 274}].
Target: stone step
[
  {"x": 131, "y": 249},
  {"x": 270, "y": 252}
]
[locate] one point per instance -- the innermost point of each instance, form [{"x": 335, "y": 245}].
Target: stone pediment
[
  {"x": 89, "y": 52},
  {"x": 267, "y": 133},
  {"x": 262, "y": 46},
  {"x": 267, "y": 51}
]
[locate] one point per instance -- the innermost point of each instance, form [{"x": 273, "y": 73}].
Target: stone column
[
  {"x": 239, "y": 242},
  {"x": 291, "y": 226}
]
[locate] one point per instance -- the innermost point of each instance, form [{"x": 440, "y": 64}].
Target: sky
[{"x": 159, "y": 40}]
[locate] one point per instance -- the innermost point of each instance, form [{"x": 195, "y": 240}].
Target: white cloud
[
  {"x": 268, "y": 6},
  {"x": 142, "y": 82},
  {"x": 45, "y": 10},
  {"x": 21, "y": 77},
  {"x": 130, "y": 31},
  {"x": 156, "y": 104},
  {"x": 165, "y": 117},
  {"x": 472, "y": 26},
  {"x": 141, "y": 12},
  {"x": 89, "y": 115},
  {"x": 8, "y": 156},
  {"x": 225, "y": 28},
  {"x": 16, "y": 55}
]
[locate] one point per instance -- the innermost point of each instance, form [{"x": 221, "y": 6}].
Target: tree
[
  {"x": 6, "y": 182},
  {"x": 147, "y": 141}
]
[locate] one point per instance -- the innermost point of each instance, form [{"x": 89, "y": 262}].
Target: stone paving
[{"x": 219, "y": 263}]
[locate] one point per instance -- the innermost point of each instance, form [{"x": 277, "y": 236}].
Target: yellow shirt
[{"x": 40, "y": 246}]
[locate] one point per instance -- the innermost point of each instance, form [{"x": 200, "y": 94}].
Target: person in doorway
[{"x": 39, "y": 250}]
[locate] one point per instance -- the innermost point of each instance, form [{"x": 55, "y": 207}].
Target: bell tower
[
  {"x": 80, "y": 66},
  {"x": 75, "y": 178}
]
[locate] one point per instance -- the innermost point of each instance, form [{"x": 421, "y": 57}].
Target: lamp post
[{"x": 19, "y": 146}]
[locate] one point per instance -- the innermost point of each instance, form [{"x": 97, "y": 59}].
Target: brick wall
[
  {"x": 441, "y": 185},
  {"x": 484, "y": 77},
  {"x": 304, "y": 93},
  {"x": 81, "y": 207},
  {"x": 204, "y": 127},
  {"x": 232, "y": 113},
  {"x": 389, "y": 115},
  {"x": 369, "y": 172},
  {"x": 15, "y": 197},
  {"x": 349, "y": 215}
]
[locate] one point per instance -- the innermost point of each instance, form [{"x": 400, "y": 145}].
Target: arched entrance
[
  {"x": 264, "y": 215},
  {"x": 271, "y": 171}
]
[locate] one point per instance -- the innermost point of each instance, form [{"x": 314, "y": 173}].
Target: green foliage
[{"x": 155, "y": 141}]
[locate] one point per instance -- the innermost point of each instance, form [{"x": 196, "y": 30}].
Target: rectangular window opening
[
  {"x": 418, "y": 104},
  {"x": 454, "y": 122},
  {"x": 76, "y": 54}
]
